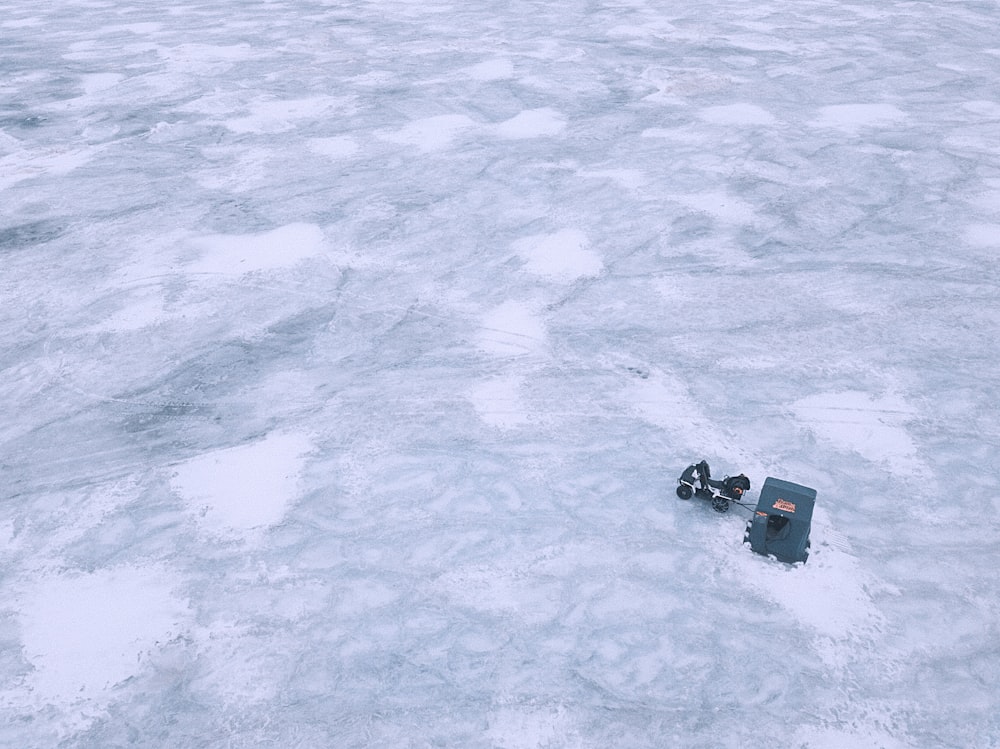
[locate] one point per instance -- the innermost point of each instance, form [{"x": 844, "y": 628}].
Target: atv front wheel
[
  {"x": 720, "y": 504},
  {"x": 684, "y": 491}
]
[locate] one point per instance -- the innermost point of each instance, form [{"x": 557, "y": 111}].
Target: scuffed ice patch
[
  {"x": 720, "y": 205},
  {"x": 497, "y": 69},
  {"x": 854, "y": 117},
  {"x": 737, "y": 114},
  {"x": 833, "y": 738},
  {"x": 431, "y": 133},
  {"x": 28, "y": 164},
  {"x": 85, "y": 634},
  {"x": 502, "y": 590},
  {"x": 563, "y": 256},
  {"x": 441, "y": 131},
  {"x": 630, "y": 179},
  {"x": 532, "y": 123},
  {"x": 983, "y": 235},
  {"x": 829, "y": 595},
  {"x": 873, "y": 427},
  {"x": 235, "y": 255},
  {"x": 532, "y": 726},
  {"x": 512, "y": 329},
  {"x": 336, "y": 148},
  {"x": 241, "y": 491},
  {"x": 196, "y": 57},
  {"x": 666, "y": 402},
  {"x": 498, "y": 401},
  {"x": 96, "y": 82}
]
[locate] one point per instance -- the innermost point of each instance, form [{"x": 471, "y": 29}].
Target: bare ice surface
[{"x": 351, "y": 351}]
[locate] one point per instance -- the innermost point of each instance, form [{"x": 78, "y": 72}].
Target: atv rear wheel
[{"x": 720, "y": 504}]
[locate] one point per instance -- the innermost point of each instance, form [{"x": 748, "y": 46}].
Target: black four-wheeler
[{"x": 697, "y": 480}]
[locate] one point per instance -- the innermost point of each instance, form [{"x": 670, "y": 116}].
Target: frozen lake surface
[{"x": 351, "y": 352}]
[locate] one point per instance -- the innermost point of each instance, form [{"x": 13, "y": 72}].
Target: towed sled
[
  {"x": 781, "y": 522},
  {"x": 697, "y": 481}
]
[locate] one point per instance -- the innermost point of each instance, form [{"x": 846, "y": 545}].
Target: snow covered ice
[{"x": 351, "y": 351}]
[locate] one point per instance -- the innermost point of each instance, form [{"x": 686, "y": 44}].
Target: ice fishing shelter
[{"x": 781, "y": 522}]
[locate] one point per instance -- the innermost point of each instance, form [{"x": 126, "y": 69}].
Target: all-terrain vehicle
[{"x": 697, "y": 480}]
